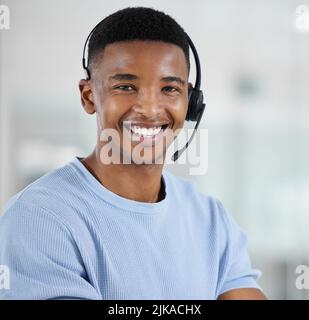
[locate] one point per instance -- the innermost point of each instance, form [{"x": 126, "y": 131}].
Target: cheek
[
  {"x": 112, "y": 110},
  {"x": 178, "y": 111}
]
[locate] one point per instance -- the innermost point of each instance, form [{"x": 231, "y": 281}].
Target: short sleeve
[
  {"x": 235, "y": 266},
  {"x": 41, "y": 255}
]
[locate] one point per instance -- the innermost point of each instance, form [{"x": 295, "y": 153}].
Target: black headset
[{"x": 196, "y": 105}]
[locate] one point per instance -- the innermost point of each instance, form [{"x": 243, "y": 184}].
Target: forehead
[{"x": 154, "y": 58}]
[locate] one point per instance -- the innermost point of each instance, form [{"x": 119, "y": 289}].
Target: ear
[{"x": 86, "y": 96}]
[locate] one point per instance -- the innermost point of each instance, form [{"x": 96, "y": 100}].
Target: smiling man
[{"x": 97, "y": 229}]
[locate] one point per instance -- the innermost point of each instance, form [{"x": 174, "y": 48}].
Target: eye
[
  {"x": 125, "y": 88},
  {"x": 170, "y": 89}
]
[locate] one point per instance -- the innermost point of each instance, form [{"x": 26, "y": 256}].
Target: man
[{"x": 99, "y": 230}]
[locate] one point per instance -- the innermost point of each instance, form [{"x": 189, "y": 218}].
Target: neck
[{"x": 135, "y": 182}]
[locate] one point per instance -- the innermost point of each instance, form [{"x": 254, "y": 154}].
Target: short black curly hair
[{"x": 136, "y": 23}]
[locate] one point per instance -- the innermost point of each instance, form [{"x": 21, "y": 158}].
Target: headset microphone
[
  {"x": 179, "y": 152},
  {"x": 196, "y": 105}
]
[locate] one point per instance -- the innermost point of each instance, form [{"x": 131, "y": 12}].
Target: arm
[
  {"x": 243, "y": 294},
  {"x": 42, "y": 256},
  {"x": 238, "y": 279}
]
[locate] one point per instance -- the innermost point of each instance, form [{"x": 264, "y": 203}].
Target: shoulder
[
  {"x": 187, "y": 191},
  {"x": 203, "y": 207},
  {"x": 48, "y": 194}
]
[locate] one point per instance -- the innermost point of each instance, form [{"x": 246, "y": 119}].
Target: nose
[{"x": 148, "y": 103}]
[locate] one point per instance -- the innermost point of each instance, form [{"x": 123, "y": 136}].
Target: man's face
[{"x": 138, "y": 85}]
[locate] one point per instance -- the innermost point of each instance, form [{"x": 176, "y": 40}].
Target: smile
[
  {"x": 146, "y": 136},
  {"x": 147, "y": 132}
]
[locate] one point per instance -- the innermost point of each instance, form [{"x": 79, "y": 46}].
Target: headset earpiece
[{"x": 196, "y": 104}]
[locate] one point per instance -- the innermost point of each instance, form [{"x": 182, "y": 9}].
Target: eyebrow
[
  {"x": 128, "y": 76},
  {"x": 174, "y": 79},
  {"x": 123, "y": 76}
]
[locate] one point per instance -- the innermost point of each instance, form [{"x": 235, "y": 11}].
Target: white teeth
[{"x": 145, "y": 131}]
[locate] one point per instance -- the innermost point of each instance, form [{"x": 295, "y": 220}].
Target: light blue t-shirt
[{"x": 66, "y": 236}]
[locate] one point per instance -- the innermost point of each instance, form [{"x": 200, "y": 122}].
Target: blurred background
[{"x": 255, "y": 75}]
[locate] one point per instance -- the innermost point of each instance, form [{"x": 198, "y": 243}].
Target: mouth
[
  {"x": 147, "y": 135},
  {"x": 147, "y": 132}
]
